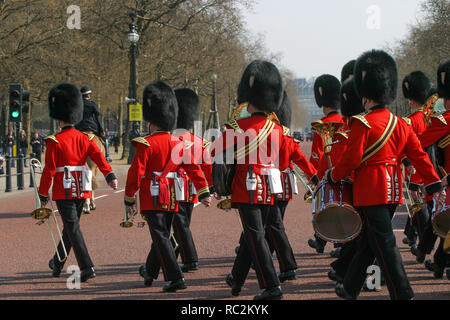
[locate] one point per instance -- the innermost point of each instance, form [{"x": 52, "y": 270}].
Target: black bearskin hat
[
  {"x": 376, "y": 76},
  {"x": 351, "y": 102},
  {"x": 262, "y": 86},
  {"x": 443, "y": 80},
  {"x": 326, "y": 90},
  {"x": 160, "y": 105},
  {"x": 416, "y": 86},
  {"x": 284, "y": 113},
  {"x": 188, "y": 108},
  {"x": 65, "y": 103},
  {"x": 347, "y": 70}
]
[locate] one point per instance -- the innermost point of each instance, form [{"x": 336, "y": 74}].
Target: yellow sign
[{"x": 135, "y": 112}]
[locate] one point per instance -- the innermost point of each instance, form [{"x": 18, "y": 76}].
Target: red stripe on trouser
[
  {"x": 280, "y": 258},
  {"x": 163, "y": 266},
  {"x": 180, "y": 243},
  {"x": 384, "y": 262},
  {"x": 254, "y": 249}
]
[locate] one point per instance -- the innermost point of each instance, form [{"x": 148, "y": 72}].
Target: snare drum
[
  {"x": 441, "y": 218},
  {"x": 334, "y": 218}
]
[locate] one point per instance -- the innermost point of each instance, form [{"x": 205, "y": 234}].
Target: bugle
[
  {"x": 415, "y": 205},
  {"x": 43, "y": 214},
  {"x": 309, "y": 192}
]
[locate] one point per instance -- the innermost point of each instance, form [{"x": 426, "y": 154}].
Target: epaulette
[
  {"x": 91, "y": 136},
  {"x": 362, "y": 118},
  {"x": 234, "y": 125},
  {"x": 141, "y": 140},
  {"x": 407, "y": 120},
  {"x": 343, "y": 133},
  {"x": 297, "y": 141},
  {"x": 51, "y": 138},
  {"x": 440, "y": 117},
  {"x": 317, "y": 122},
  {"x": 286, "y": 131},
  {"x": 206, "y": 143}
]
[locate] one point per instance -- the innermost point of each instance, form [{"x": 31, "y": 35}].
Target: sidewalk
[{"x": 120, "y": 168}]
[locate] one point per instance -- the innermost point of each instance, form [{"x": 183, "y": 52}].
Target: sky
[{"x": 313, "y": 37}]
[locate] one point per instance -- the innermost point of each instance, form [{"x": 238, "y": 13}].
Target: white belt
[
  {"x": 71, "y": 169},
  {"x": 170, "y": 175}
]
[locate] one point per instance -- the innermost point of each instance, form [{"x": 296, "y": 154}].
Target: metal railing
[{"x": 20, "y": 173}]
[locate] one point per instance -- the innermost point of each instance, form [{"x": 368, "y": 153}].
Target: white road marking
[
  {"x": 120, "y": 191},
  {"x": 103, "y": 196}
]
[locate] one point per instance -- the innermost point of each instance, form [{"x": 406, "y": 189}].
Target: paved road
[{"x": 117, "y": 254}]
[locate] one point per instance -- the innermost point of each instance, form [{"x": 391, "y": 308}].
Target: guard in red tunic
[
  {"x": 327, "y": 91},
  {"x": 65, "y": 166},
  {"x": 290, "y": 154},
  {"x": 351, "y": 105},
  {"x": 154, "y": 172},
  {"x": 252, "y": 144},
  {"x": 376, "y": 141},
  {"x": 416, "y": 87},
  {"x": 439, "y": 132},
  {"x": 188, "y": 113}
]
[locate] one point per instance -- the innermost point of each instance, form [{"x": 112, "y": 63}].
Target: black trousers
[
  {"x": 377, "y": 240},
  {"x": 348, "y": 251},
  {"x": 162, "y": 254},
  {"x": 70, "y": 211},
  {"x": 277, "y": 238},
  {"x": 254, "y": 247},
  {"x": 428, "y": 240},
  {"x": 183, "y": 235}
]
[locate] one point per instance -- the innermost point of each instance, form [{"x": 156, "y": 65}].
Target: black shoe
[
  {"x": 87, "y": 274},
  {"x": 340, "y": 291},
  {"x": 429, "y": 264},
  {"x": 420, "y": 256},
  {"x": 315, "y": 245},
  {"x": 235, "y": 288},
  {"x": 336, "y": 253},
  {"x": 270, "y": 294},
  {"x": 286, "y": 276},
  {"x": 333, "y": 276},
  {"x": 190, "y": 267},
  {"x": 448, "y": 274},
  {"x": 175, "y": 285},
  {"x": 148, "y": 281},
  {"x": 438, "y": 272},
  {"x": 408, "y": 241},
  {"x": 56, "y": 269}
]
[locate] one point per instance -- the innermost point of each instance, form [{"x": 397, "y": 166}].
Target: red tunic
[
  {"x": 337, "y": 150},
  {"x": 70, "y": 148},
  {"x": 290, "y": 152},
  {"x": 317, "y": 148},
  {"x": 439, "y": 130},
  {"x": 378, "y": 180},
  {"x": 198, "y": 149},
  {"x": 154, "y": 154},
  {"x": 263, "y": 138}
]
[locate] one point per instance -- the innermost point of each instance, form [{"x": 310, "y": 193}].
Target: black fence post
[
  {"x": 31, "y": 178},
  {"x": 8, "y": 174},
  {"x": 20, "y": 173}
]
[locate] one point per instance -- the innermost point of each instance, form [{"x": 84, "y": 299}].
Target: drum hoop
[
  {"x": 333, "y": 205},
  {"x": 440, "y": 233}
]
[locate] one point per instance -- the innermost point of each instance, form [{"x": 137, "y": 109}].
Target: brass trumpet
[
  {"x": 127, "y": 222},
  {"x": 43, "y": 214},
  {"x": 415, "y": 205},
  {"x": 308, "y": 197}
]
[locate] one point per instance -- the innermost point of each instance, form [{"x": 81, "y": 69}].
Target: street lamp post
[
  {"x": 133, "y": 36},
  {"x": 213, "y": 111}
]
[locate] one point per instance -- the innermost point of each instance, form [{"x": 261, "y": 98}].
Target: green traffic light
[{"x": 15, "y": 114}]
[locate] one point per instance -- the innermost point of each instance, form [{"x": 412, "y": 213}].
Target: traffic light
[
  {"x": 15, "y": 103},
  {"x": 25, "y": 101}
]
